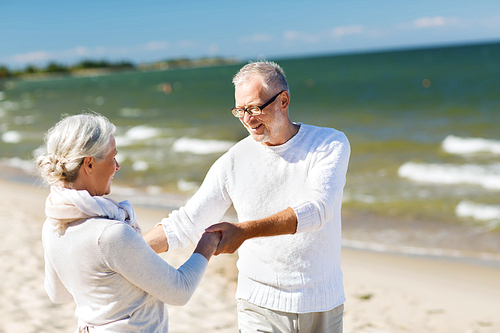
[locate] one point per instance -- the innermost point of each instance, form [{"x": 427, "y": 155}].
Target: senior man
[{"x": 285, "y": 182}]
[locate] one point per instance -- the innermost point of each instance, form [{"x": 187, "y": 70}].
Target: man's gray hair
[
  {"x": 271, "y": 73},
  {"x": 69, "y": 141}
]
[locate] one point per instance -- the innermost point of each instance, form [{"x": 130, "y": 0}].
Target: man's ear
[{"x": 284, "y": 100}]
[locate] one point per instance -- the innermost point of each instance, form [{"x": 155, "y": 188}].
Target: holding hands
[
  {"x": 232, "y": 236},
  {"x": 207, "y": 245}
]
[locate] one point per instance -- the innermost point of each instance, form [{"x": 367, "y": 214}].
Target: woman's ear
[{"x": 88, "y": 163}]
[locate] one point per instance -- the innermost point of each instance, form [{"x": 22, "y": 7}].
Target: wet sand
[{"x": 385, "y": 292}]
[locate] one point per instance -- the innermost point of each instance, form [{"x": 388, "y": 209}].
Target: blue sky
[{"x": 36, "y": 32}]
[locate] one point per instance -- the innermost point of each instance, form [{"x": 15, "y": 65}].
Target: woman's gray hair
[
  {"x": 271, "y": 73},
  {"x": 69, "y": 141}
]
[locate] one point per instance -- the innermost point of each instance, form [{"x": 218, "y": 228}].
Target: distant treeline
[
  {"x": 53, "y": 67},
  {"x": 89, "y": 65}
]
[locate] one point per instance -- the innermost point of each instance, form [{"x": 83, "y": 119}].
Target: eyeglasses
[{"x": 253, "y": 110}]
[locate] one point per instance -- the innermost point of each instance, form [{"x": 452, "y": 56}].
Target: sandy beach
[{"x": 385, "y": 292}]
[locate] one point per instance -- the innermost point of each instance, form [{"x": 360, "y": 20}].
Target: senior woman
[{"x": 94, "y": 250}]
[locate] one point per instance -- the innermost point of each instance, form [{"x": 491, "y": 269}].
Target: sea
[{"x": 424, "y": 128}]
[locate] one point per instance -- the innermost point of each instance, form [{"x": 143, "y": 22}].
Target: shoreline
[
  {"x": 360, "y": 230},
  {"x": 385, "y": 292}
]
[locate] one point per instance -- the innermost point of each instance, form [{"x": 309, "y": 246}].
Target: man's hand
[{"x": 233, "y": 235}]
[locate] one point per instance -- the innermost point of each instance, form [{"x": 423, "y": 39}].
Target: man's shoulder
[{"x": 328, "y": 134}]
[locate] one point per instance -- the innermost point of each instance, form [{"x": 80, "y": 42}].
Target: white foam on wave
[
  {"x": 142, "y": 132},
  {"x": 478, "y": 211},
  {"x": 131, "y": 112},
  {"x": 487, "y": 176},
  {"x": 12, "y": 137},
  {"x": 349, "y": 197},
  {"x": 25, "y": 120},
  {"x": 135, "y": 134},
  {"x": 418, "y": 251},
  {"x": 140, "y": 165},
  {"x": 186, "y": 186},
  {"x": 460, "y": 146},
  {"x": 18, "y": 163},
  {"x": 199, "y": 146},
  {"x": 9, "y": 105}
]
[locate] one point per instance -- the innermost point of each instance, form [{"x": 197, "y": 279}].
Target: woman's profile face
[{"x": 104, "y": 170}]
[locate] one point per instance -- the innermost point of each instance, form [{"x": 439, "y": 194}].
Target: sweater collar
[{"x": 290, "y": 143}]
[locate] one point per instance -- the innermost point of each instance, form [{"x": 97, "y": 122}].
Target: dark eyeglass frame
[{"x": 238, "y": 114}]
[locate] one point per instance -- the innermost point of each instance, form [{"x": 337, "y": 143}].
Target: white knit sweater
[
  {"x": 297, "y": 273},
  {"x": 118, "y": 282}
]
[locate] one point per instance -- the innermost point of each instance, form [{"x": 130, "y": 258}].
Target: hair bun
[{"x": 71, "y": 140}]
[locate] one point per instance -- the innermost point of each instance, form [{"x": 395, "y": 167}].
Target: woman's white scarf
[{"x": 65, "y": 205}]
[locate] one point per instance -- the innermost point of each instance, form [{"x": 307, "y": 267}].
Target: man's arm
[
  {"x": 157, "y": 239},
  {"x": 185, "y": 225},
  {"x": 234, "y": 234}
]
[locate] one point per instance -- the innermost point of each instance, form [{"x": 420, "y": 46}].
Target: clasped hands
[{"x": 229, "y": 236}]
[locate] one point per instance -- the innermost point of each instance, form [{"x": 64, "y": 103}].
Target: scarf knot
[{"x": 65, "y": 205}]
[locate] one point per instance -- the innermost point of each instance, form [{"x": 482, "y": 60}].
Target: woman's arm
[{"x": 128, "y": 254}]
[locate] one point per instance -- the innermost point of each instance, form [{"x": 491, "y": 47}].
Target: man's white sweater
[{"x": 297, "y": 273}]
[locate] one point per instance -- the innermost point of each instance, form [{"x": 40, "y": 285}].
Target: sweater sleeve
[
  {"x": 325, "y": 184},
  {"x": 207, "y": 206},
  {"x": 126, "y": 253}
]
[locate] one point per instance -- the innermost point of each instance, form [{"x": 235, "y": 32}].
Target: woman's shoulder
[
  {"x": 81, "y": 237},
  {"x": 116, "y": 232},
  {"x": 90, "y": 228}
]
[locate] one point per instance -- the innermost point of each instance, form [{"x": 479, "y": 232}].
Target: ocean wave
[
  {"x": 456, "y": 145},
  {"x": 18, "y": 163},
  {"x": 12, "y": 137},
  {"x": 25, "y": 120},
  {"x": 199, "y": 146},
  {"x": 186, "y": 186},
  {"x": 419, "y": 251},
  {"x": 135, "y": 134},
  {"x": 9, "y": 105},
  {"x": 480, "y": 212},
  {"x": 131, "y": 112},
  {"x": 140, "y": 165},
  {"x": 486, "y": 176},
  {"x": 348, "y": 197}
]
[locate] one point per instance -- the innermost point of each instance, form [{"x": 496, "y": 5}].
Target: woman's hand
[{"x": 208, "y": 244}]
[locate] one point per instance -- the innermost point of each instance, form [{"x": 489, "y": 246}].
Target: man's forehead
[
  {"x": 254, "y": 86},
  {"x": 249, "y": 95}
]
